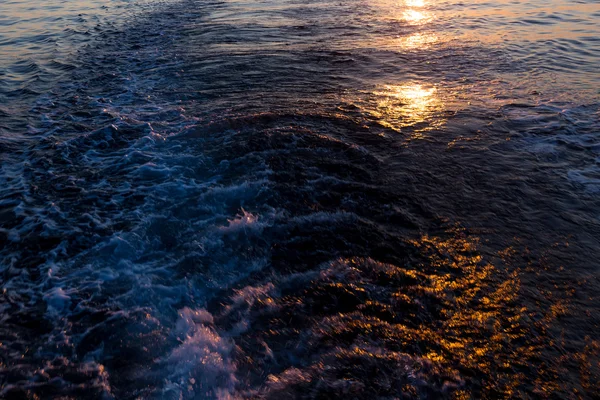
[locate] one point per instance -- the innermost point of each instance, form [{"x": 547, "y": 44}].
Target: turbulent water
[{"x": 299, "y": 199}]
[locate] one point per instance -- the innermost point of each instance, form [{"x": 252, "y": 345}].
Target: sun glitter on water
[
  {"x": 415, "y": 3},
  {"x": 416, "y": 17},
  {"x": 415, "y": 13},
  {"x": 410, "y": 105},
  {"x": 418, "y": 41}
]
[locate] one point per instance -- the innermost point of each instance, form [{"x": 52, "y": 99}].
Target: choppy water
[{"x": 271, "y": 199}]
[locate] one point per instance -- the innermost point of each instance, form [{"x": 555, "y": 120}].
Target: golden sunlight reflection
[
  {"x": 415, "y": 3},
  {"x": 409, "y": 105},
  {"x": 450, "y": 306},
  {"x": 416, "y": 17},
  {"x": 418, "y": 40},
  {"x": 415, "y": 12}
]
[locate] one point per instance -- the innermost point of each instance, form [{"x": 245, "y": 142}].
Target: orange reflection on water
[
  {"x": 415, "y": 3},
  {"x": 415, "y": 12},
  {"x": 418, "y": 40},
  {"x": 416, "y": 17},
  {"x": 409, "y": 105},
  {"x": 409, "y": 25}
]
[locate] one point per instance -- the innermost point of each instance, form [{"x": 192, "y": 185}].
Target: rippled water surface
[{"x": 283, "y": 199}]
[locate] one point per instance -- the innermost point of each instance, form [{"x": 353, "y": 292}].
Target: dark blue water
[{"x": 282, "y": 199}]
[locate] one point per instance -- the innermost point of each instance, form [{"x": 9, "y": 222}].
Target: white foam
[
  {"x": 201, "y": 366},
  {"x": 243, "y": 223},
  {"x": 57, "y": 300}
]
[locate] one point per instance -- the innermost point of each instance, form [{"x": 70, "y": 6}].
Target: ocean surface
[{"x": 277, "y": 199}]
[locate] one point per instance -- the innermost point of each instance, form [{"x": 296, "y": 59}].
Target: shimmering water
[{"x": 282, "y": 199}]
